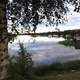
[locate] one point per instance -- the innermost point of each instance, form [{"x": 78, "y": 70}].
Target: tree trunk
[{"x": 3, "y": 40}]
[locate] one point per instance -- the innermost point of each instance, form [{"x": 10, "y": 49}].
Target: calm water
[{"x": 44, "y": 50}]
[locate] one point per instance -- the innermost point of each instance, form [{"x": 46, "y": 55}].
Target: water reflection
[
  {"x": 44, "y": 49},
  {"x": 30, "y": 39},
  {"x": 32, "y": 43}
]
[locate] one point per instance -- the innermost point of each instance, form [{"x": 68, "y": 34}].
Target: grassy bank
[
  {"x": 67, "y": 42},
  {"x": 57, "y": 68},
  {"x": 64, "y": 76},
  {"x": 58, "y": 71}
]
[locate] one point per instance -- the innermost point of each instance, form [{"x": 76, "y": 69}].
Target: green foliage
[
  {"x": 77, "y": 44},
  {"x": 67, "y": 42},
  {"x": 30, "y": 13},
  {"x": 57, "y": 68},
  {"x": 20, "y": 67}
]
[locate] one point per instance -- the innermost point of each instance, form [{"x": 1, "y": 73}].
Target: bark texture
[{"x": 3, "y": 40}]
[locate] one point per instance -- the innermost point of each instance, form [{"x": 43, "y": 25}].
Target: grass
[
  {"x": 58, "y": 71},
  {"x": 64, "y": 76},
  {"x": 57, "y": 68}
]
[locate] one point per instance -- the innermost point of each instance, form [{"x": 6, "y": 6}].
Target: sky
[
  {"x": 10, "y": 0},
  {"x": 73, "y": 22}
]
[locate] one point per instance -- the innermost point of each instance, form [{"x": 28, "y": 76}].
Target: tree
[
  {"x": 28, "y": 13},
  {"x": 3, "y": 39},
  {"x": 76, "y": 3},
  {"x": 20, "y": 67}
]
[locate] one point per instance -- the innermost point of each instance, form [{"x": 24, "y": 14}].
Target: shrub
[
  {"x": 67, "y": 42},
  {"x": 20, "y": 67}
]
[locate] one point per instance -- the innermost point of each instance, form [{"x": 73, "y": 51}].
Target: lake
[{"x": 44, "y": 50}]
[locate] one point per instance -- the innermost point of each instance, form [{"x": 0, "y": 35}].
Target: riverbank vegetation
[
  {"x": 20, "y": 66},
  {"x": 58, "y": 71},
  {"x": 71, "y": 42},
  {"x": 67, "y": 42}
]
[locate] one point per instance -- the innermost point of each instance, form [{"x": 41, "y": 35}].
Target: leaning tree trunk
[{"x": 3, "y": 40}]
